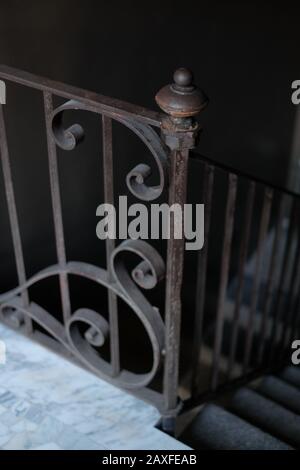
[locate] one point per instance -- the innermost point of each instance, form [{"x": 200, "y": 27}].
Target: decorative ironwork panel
[{"x": 170, "y": 150}]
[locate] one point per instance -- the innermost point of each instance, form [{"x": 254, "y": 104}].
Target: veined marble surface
[{"x": 47, "y": 402}]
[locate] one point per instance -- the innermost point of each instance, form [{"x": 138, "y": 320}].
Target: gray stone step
[
  {"x": 216, "y": 428},
  {"x": 281, "y": 392},
  {"x": 292, "y": 375},
  {"x": 267, "y": 415}
]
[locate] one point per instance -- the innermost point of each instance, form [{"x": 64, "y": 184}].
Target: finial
[{"x": 182, "y": 99}]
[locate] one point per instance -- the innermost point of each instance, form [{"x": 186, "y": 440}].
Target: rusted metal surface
[
  {"x": 57, "y": 210},
  {"x": 110, "y": 244},
  {"x": 174, "y": 274},
  {"x": 181, "y": 100}
]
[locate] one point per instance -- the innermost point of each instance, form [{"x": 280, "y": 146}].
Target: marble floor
[{"x": 47, "y": 402}]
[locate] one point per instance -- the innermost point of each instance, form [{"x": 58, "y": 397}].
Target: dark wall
[{"x": 243, "y": 54}]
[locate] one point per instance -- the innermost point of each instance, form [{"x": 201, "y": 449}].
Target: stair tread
[
  {"x": 281, "y": 392},
  {"x": 291, "y": 374},
  {"x": 267, "y": 415},
  {"x": 216, "y": 428}
]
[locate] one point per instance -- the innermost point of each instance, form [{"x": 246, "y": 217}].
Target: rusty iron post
[{"x": 181, "y": 102}]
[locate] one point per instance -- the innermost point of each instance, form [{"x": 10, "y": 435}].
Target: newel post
[{"x": 181, "y": 102}]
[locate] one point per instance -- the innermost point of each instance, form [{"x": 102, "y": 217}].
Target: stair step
[
  {"x": 216, "y": 428},
  {"x": 281, "y": 392},
  {"x": 267, "y": 415},
  {"x": 292, "y": 375}
]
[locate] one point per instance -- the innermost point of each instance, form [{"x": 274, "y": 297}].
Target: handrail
[
  {"x": 97, "y": 103},
  {"x": 197, "y": 156}
]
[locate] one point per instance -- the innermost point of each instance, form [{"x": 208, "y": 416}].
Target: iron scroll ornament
[
  {"x": 151, "y": 269},
  {"x": 146, "y": 275},
  {"x": 68, "y": 139}
]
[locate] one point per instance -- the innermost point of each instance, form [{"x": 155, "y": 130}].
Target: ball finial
[
  {"x": 181, "y": 99},
  {"x": 183, "y": 77}
]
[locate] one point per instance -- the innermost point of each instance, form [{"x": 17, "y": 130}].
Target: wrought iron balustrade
[
  {"x": 234, "y": 338},
  {"x": 170, "y": 150}
]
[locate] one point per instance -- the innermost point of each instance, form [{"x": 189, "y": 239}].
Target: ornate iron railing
[
  {"x": 181, "y": 101},
  {"x": 229, "y": 343}
]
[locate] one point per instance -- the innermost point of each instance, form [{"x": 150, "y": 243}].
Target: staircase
[{"x": 261, "y": 416}]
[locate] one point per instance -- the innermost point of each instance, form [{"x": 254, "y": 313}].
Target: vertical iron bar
[
  {"x": 13, "y": 218},
  {"x": 201, "y": 276},
  {"x": 292, "y": 296},
  {"x": 229, "y": 222},
  {"x": 241, "y": 269},
  {"x": 266, "y": 210},
  {"x": 57, "y": 209},
  {"x": 282, "y": 281},
  {"x": 271, "y": 281},
  {"x": 175, "y": 259},
  {"x": 110, "y": 244},
  {"x": 180, "y": 102},
  {"x": 292, "y": 290},
  {"x": 294, "y": 317}
]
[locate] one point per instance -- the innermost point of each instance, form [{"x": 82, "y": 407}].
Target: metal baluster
[
  {"x": 181, "y": 101},
  {"x": 287, "y": 331},
  {"x": 292, "y": 333},
  {"x": 110, "y": 244},
  {"x": 265, "y": 217},
  {"x": 201, "y": 277},
  {"x": 270, "y": 290},
  {"x": 13, "y": 218},
  {"x": 292, "y": 294},
  {"x": 227, "y": 241},
  {"x": 241, "y": 269},
  {"x": 57, "y": 209},
  {"x": 282, "y": 281}
]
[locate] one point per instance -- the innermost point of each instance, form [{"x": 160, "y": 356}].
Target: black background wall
[{"x": 243, "y": 54}]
